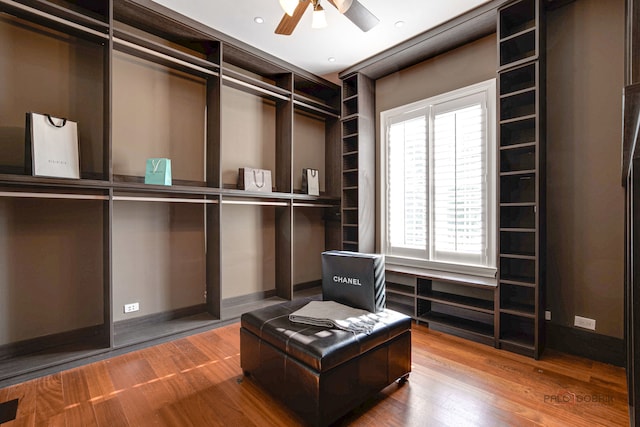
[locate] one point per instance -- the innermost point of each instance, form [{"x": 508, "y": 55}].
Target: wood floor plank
[
  {"x": 197, "y": 381},
  {"x": 26, "y": 394},
  {"x": 109, "y": 413},
  {"x": 128, "y": 370},
  {"x": 98, "y": 381},
  {"x": 49, "y": 398},
  {"x": 78, "y": 408}
]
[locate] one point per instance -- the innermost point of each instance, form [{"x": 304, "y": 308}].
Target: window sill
[{"x": 441, "y": 275}]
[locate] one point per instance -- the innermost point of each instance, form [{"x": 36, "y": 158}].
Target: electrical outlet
[
  {"x": 130, "y": 308},
  {"x": 547, "y": 315},
  {"x": 585, "y": 322}
]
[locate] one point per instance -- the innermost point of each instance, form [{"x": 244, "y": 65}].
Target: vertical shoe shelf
[
  {"x": 358, "y": 163},
  {"x": 521, "y": 246}
]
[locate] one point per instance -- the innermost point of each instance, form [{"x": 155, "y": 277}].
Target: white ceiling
[{"x": 311, "y": 49}]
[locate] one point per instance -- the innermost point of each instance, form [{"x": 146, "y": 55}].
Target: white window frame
[{"x": 485, "y": 92}]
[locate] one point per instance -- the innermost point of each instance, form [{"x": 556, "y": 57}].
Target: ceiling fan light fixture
[
  {"x": 319, "y": 19},
  {"x": 343, "y": 5},
  {"x": 289, "y": 6}
]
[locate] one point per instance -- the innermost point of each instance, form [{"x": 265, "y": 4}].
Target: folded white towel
[{"x": 330, "y": 314}]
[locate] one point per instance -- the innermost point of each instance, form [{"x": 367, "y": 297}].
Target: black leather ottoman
[{"x": 322, "y": 373}]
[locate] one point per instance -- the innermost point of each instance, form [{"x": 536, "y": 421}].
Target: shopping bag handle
[
  {"x": 255, "y": 178},
  {"x": 64, "y": 121}
]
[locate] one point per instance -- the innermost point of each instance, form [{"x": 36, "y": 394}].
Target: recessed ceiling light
[
  {"x": 331, "y": 59},
  {"x": 258, "y": 20},
  {"x": 399, "y": 24}
]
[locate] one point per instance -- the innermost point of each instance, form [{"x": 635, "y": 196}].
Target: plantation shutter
[
  {"x": 458, "y": 183},
  {"x": 407, "y": 176}
]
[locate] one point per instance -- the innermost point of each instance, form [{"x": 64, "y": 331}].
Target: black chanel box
[{"x": 354, "y": 279}]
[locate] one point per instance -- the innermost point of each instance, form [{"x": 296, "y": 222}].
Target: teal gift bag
[{"x": 158, "y": 172}]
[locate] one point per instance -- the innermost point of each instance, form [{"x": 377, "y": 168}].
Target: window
[{"x": 438, "y": 182}]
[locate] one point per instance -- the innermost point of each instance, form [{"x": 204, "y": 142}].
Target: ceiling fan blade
[
  {"x": 288, "y": 23},
  {"x": 360, "y": 15}
]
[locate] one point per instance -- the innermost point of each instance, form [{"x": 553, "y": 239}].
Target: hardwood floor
[{"x": 197, "y": 381}]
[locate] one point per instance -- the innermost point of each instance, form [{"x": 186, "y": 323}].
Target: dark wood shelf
[
  {"x": 128, "y": 186},
  {"x": 164, "y": 55},
  {"x": 515, "y": 279},
  {"x": 518, "y": 230},
  {"x": 350, "y": 117},
  {"x": 524, "y": 340},
  {"x": 517, "y": 204},
  {"x": 474, "y": 304},
  {"x": 400, "y": 307},
  {"x": 394, "y": 289},
  {"x": 518, "y": 119},
  {"x": 487, "y": 283},
  {"x": 517, "y": 146},
  {"x": 530, "y": 29},
  {"x": 518, "y": 92},
  {"x": 350, "y": 98},
  {"x": 463, "y": 325},
  {"x": 312, "y": 106},
  {"x": 60, "y": 18},
  {"x": 60, "y": 183},
  {"x": 518, "y": 172},
  {"x": 521, "y": 310},
  {"x": 517, "y": 256},
  {"x": 517, "y": 283},
  {"x": 254, "y": 86}
]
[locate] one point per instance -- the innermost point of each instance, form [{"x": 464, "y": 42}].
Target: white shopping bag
[
  {"x": 310, "y": 182},
  {"x": 52, "y": 146}
]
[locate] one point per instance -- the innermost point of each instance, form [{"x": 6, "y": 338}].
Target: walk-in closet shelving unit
[
  {"x": 447, "y": 302},
  {"x": 521, "y": 74},
  {"x": 358, "y": 163},
  {"x": 142, "y": 81}
]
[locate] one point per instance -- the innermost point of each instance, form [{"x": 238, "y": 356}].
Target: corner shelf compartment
[
  {"x": 77, "y": 54},
  {"x": 358, "y": 163},
  {"x": 518, "y": 32},
  {"x": 451, "y": 303},
  {"x": 521, "y": 212}
]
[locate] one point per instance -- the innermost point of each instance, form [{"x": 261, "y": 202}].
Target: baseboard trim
[
  {"x": 137, "y": 322},
  {"x": 248, "y": 298},
  {"x": 307, "y": 285},
  {"x": 89, "y": 334},
  {"x": 601, "y": 348}
]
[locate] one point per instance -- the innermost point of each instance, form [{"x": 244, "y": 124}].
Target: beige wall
[
  {"x": 308, "y": 147},
  {"x": 308, "y": 244},
  {"x": 585, "y": 199},
  {"x": 63, "y": 290},
  {"x": 67, "y": 62},
  {"x": 157, "y": 112},
  {"x": 158, "y": 257},
  {"x": 248, "y": 134},
  {"x": 469, "y": 64},
  {"x": 248, "y": 250}
]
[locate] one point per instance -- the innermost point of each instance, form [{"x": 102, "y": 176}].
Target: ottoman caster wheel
[{"x": 403, "y": 379}]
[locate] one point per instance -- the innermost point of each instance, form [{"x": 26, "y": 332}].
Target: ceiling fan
[{"x": 352, "y": 9}]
